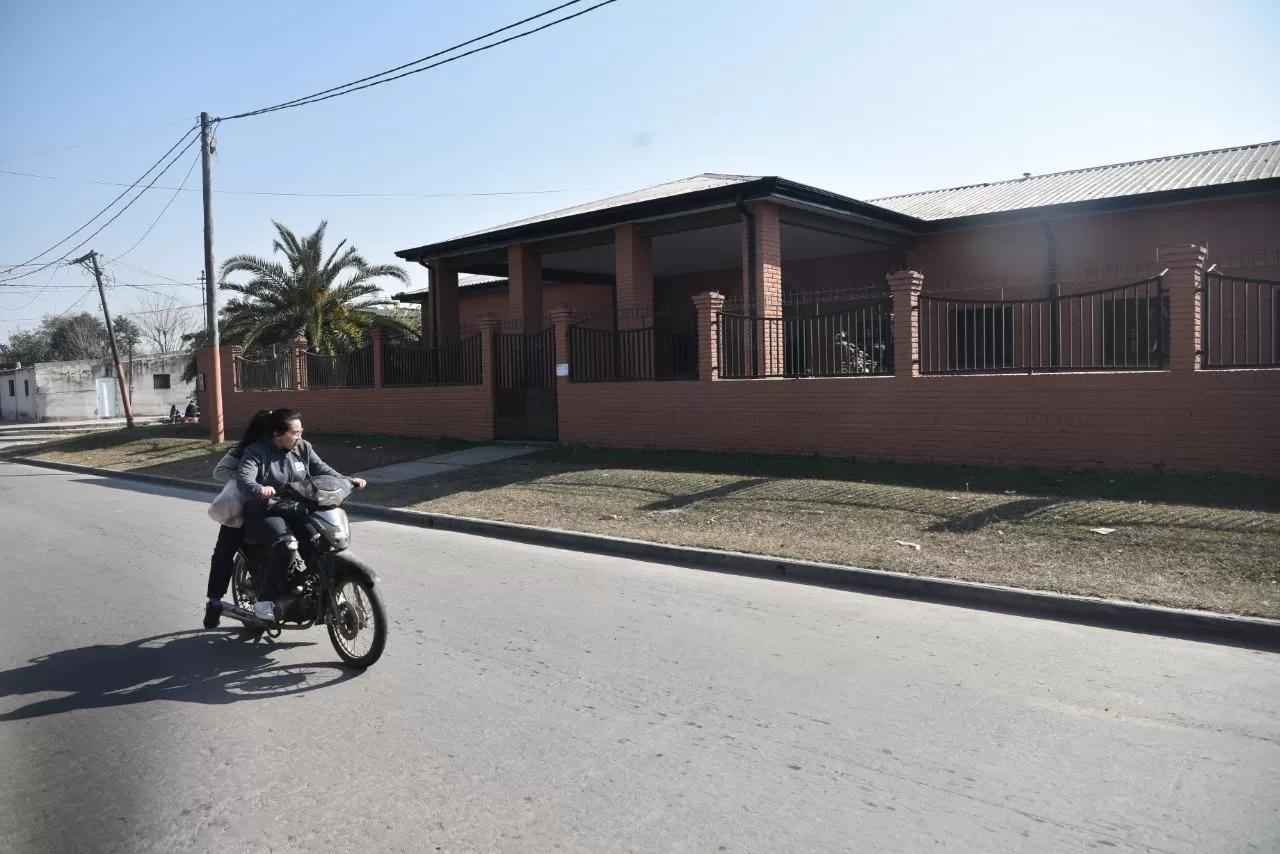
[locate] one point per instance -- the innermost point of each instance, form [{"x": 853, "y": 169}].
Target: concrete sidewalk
[{"x": 441, "y": 463}]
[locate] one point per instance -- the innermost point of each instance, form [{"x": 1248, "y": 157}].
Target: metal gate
[{"x": 524, "y": 391}]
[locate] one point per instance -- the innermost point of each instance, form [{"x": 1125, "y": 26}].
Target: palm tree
[{"x": 325, "y": 300}]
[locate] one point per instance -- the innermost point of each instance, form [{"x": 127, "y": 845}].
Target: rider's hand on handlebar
[
  {"x": 358, "y": 482},
  {"x": 266, "y": 492}
]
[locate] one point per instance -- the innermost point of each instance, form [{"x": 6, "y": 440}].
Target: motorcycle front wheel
[{"x": 358, "y": 629}]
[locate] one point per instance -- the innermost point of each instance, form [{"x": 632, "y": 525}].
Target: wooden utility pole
[
  {"x": 217, "y": 431},
  {"x": 111, "y": 336}
]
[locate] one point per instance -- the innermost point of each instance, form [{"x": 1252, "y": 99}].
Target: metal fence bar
[
  {"x": 1118, "y": 328},
  {"x": 267, "y": 375},
  {"x": 405, "y": 364},
  {"x": 858, "y": 342},
  {"x": 608, "y": 355},
  {"x": 1240, "y": 322},
  {"x": 340, "y": 370}
]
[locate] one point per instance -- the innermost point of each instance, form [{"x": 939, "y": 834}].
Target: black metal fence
[
  {"x": 610, "y": 355},
  {"x": 341, "y": 370},
  {"x": 270, "y": 374},
  {"x": 1124, "y": 328},
  {"x": 1241, "y": 322},
  {"x": 853, "y": 343},
  {"x": 404, "y": 363}
]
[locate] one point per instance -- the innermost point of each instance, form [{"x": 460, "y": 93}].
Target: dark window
[
  {"x": 160, "y": 381},
  {"x": 11, "y": 387},
  {"x": 26, "y": 388},
  {"x": 982, "y": 338},
  {"x": 1132, "y": 333}
]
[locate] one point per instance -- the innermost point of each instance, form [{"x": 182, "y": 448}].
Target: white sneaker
[{"x": 265, "y": 611}]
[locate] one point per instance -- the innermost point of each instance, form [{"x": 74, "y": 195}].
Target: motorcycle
[{"x": 328, "y": 586}]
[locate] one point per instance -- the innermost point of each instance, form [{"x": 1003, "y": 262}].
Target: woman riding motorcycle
[{"x": 280, "y": 457}]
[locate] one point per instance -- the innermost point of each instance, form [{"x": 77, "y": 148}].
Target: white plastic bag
[{"x": 228, "y": 508}]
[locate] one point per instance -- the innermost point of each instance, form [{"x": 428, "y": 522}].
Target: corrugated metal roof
[
  {"x": 1182, "y": 171},
  {"x": 705, "y": 181},
  {"x": 466, "y": 280}
]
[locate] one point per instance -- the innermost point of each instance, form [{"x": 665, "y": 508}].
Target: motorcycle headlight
[{"x": 335, "y": 527}]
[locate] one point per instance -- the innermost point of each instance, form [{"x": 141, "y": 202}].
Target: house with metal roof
[{"x": 1046, "y": 232}]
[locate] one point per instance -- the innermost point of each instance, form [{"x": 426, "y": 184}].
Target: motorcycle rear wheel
[
  {"x": 244, "y": 591},
  {"x": 358, "y": 630}
]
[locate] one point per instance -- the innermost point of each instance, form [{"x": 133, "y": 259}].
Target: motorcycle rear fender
[{"x": 345, "y": 563}]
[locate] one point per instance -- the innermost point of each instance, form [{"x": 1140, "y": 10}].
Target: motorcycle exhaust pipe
[{"x": 243, "y": 615}]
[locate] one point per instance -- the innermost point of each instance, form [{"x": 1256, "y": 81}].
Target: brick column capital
[
  {"x": 489, "y": 322},
  {"x": 905, "y": 281},
  {"x": 1182, "y": 255},
  {"x": 712, "y": 301}
]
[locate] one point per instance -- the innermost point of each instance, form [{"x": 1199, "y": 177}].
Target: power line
[
  {"x": 118, "y": 214},
  {"x": 185, "y": 137},
  {"x": 319, "y": 195},
  {"x": 163, "y": 210},
  {"x": 373, "y": 80},
  {"x": 92, "y": 141}
]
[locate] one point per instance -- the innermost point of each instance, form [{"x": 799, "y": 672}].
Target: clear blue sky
[{"x": 863, "y": 98}]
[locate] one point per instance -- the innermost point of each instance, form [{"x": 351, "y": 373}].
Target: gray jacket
[
  {"x": 227, "y": 467},
  {"x": 263, "y": 464}
]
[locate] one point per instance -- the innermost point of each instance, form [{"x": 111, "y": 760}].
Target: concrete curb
[{"x": 1108, "y": 613}]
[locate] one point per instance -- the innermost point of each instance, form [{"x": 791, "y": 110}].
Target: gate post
[
  {"x": 905, "y": 285},
  {"x": 378, "y": 367},
  {"x": 1182, "y": 282},
  {"x": 708, "y": 306},
  {"x": 562, "y": 318},
  {"x": 489, "y": 325},
  {"x": 298, "y": 362}
]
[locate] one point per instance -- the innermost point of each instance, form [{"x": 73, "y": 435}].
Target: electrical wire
[
  {"x": 184, "y": 138},
  {"x": 163, "y": 210},
  {"x": 373, "y": 80},
  {"x": 190, "y": 142},
  {"x": 320, "y": 195},
  {"x": 92, "y": 141}
]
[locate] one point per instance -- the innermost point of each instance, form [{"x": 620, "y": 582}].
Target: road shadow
[{"x": 207, "y": 667}]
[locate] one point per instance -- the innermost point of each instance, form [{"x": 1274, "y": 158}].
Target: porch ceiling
[{"x": 682, "y": 252}]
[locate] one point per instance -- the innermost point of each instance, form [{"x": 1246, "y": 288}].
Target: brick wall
[
  {"x": 455, "y": 412},
  {"x": 1192, "y": 421}
]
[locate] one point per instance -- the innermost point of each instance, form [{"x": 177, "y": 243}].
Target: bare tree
[{"x": 164, "y": 320}]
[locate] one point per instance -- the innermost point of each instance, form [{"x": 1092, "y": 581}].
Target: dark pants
[
  {"x": 273, "y": 532},
  {"x": 223, "y": 563}
]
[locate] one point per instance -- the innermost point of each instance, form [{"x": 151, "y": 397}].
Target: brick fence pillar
[
  {"x": 378, "y": 367},
  {"x": 905, "y": 285},
  {"x": 489, "y": 325},
  {"x": 1182, "y": 280},
  {"x": 561, "y": 319},
  {"x": 708, "y": 307},
  {"x": 298, "y": 363}
]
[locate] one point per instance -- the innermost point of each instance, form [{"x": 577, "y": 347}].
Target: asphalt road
[{"x": 536, "y": 700}]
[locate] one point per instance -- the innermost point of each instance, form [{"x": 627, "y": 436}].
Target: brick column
[
  {"x": 298, "y": 363},
  {"x": 445, "y": 280},
  {"x": 489, "y": 325},
  {"x": 1182, "y": 283},
  {"x": 708, "y": 305},
  {"x": 524, "y": 275},
  {"x": 768, "y": 286},
  {"x": 905, "y": 286},
  {"x": 377, "y": 357},
  {"x": 562, "y": 318},
  {"x": 633, "y": 269}
]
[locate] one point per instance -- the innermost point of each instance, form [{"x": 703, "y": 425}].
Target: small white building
[{"x": 87, "y": 389}]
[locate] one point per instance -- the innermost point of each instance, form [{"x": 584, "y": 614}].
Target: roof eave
[{"x": 758, "y": 188}]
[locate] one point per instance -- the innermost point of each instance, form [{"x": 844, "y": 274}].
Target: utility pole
[
  {"x": 216, "y": 427},
  {"x": 111, "y": 335}
]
